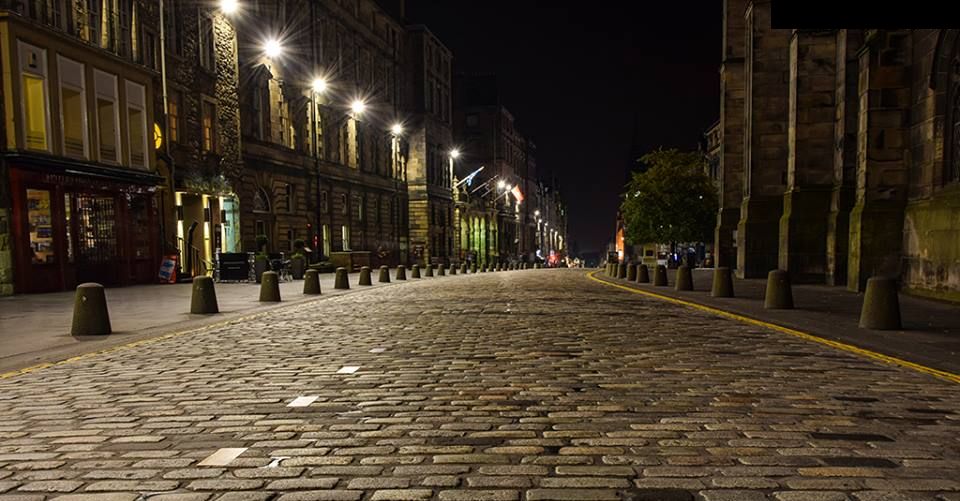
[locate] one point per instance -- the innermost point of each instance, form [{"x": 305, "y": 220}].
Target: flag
[
  {"x": 516, "y": 193},
  {"x": 469, "y": 179}
]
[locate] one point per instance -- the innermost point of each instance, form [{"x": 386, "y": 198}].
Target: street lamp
[
  {"x": 228, "y": 6},
  {"x": 536, "y": 213},
  {"x": 501, "y": 184},
  {"x": 272, "y": 48},
  {"x": 358, "y": 106},
  {"x": 454, "y": 153},
  {"x": 319, "y": 85},
  {"x": 396, "y": 129}
]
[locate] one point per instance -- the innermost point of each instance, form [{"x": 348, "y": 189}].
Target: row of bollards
[
  {"x": 880, "y": 309},
  {"x": 91, "y": 317}
]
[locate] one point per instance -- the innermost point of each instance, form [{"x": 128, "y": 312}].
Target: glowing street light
[
  {"x": 502, "y": 184},
  {"x": 536, "y": 212},
  {"x": 454, "y": 153},
  {"x": 272, "y": 48},
  {"x": 319, "y": 85},
  {"x": 357, "y": 106},
  {"x": 228, "y": 6},
  {"x": 396, "y": 129}
]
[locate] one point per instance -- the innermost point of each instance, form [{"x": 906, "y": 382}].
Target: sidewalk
[
  {"x": 930, "y": 335},
  {"x": 35, "y": 328}
]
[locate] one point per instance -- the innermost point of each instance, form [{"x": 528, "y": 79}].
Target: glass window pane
[
  {"x": 138, "y": 135},
  {"x": 73, "y": 129},
  {"x": 67, "y": 214},
  {"x": 35, "y": 112},
  {"x": 40, "y": 219},
  {"x": 106, "y": 121}
]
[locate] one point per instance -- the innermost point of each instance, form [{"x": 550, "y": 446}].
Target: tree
[{"x": 673, "y": 200}]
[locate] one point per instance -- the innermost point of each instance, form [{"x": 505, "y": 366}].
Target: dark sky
[{"x": 591, "y": 85}]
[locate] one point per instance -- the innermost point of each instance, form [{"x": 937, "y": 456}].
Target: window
[
  {"x": 108, "y": 131},
  {"x": 345, "y": 237},
  {"x": 137, "y": 123},
  {"x": 206, "y": 43},
  {"x": 288, "y": 191},
  {"x": 209, "y": 126},
  {"x": 344, "y": 208},
  {"x": 40, "y": 219},
  {"x": 326, "y": 240},
  {"x": 36, "y": 122},
  {"x": 73, "y": 108},
  {"x": 174, "y": 24},
  {"x": 173, "y": 117},
  {"x": 323, "y": 202},
  {"x": 359, "y": 203},
  {"x": 261, "y": 201},
  {"x": 149, "y": 56},
  {"x": 952, "y": 137}
]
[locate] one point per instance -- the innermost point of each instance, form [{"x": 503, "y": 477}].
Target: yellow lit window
[{"x": 35, "y": 112}]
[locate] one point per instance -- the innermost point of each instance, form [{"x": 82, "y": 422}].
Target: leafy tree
[{"x": 673, "y": 200}]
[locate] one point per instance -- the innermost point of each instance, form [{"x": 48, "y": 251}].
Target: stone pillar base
[
  {"x": 876, "y": 240},
  {"x": 838, "y": 237},
  {"x": 803, "y": 234},
  {"x": 724, "y": 237},
  {"x": 758, "y": 236}
]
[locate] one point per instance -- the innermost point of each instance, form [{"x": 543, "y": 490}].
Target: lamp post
[{"x": 317, "y": 87}]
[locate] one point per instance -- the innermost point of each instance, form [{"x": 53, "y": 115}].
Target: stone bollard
[
  {"x": 204, "y": 298},
  {"x": 441, "y": 270},
  {"x": 722, "y": 282},
  {"x": 364, "y": 276},
  {"x": 684, "y": 279},
  {"x": 453, "y": 269},
  {"x": 401, "y": 272},
  {"x": 660, "y": 276},
  {"x": 384, "y": 275},
  {"x": 311, "y": 282},
  {"x": 416, "y": 271},
  {"x": 483, "y": 268},
  {"x": 643, "y": 274},
  {"x": 881, "y": 307},
  {"x": 621, "y": 270},
  {"x": 429, "y": 269},
  {"x": 270, "y": 287},
  {"x": 779, "y": 295},
  {"x": 473, "y": 269},
  {"x": 631, "y": 273},
  {"x": 611, "y": 272},
  {"x": 90, "y": 316},
  {"x": 342, "y": 280}
]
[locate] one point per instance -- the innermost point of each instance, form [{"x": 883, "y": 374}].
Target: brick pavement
[{"x": 532, "y": 385}]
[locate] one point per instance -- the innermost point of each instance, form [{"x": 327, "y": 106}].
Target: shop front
[{"x": 80, "y": 223}]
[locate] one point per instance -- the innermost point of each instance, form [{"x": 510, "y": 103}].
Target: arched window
[
  {"x": 952, "y": 138},
  {"x": 261, "y": 200}
]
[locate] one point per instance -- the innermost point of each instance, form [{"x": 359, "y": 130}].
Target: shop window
[
  {"x": 67, "y": 212},
  {"x": 108, "y": 131},
  {"x": 137, "y": 123},
  {"x": 209, "y": 126},
  {"x": 73, "y": 108},
  {"x": 345, "y": 237},
  {"x": 33, "y": 72},
  {"x": 97, "y": 223},
  {"x": 230, "y": 222},
  {"x": 40, "y": 219}
]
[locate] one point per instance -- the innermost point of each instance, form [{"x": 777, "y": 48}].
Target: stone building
[
  {"x": 432, "y": 153},
  {"x": 201, "y": 140},
  {"x": 322, "y": 86},
  {"x": 839, "y": 153},
  {"x": 78, "y": 171}
]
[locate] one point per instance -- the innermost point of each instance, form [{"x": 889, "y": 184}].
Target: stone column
[
  {"x": 731, "y": 133},
  {"x": 876, "y": 222},
  {"x": 765, "y": 142},
  {"x": 810, "y": 147},
  {"x": 845, "y": 156}
]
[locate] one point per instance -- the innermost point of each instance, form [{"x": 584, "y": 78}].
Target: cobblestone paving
[{"x": 531, "y": 385}]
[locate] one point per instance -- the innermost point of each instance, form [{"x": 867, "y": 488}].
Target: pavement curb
[{"x": 887, "y": 359}]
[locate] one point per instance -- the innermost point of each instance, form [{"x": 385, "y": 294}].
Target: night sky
[{"x": 593, "y": 87}]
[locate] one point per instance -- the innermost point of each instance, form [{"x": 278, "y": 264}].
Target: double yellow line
[{"x": 949, "y": 376}]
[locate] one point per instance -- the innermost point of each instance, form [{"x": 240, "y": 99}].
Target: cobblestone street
[{"x": 529, "y": 385}]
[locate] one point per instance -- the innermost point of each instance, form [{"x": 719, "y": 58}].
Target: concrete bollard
[
  {"x": 416, "y": 271},
  {"x": 441, "y": 270},
  {"x": 311, "y": 282},
  {"x": 203, "y": 301},
  {"x": 384, "y": 275},
  {"x": 429, "y": 269},
  {"x": 401, "y": 272},
  {"x": 611, "y": 270},
  {"x": 342, "y": 280},
  {"x": 270, "y": 287},
  {"x": 90, "y": 316},
  {"x": 453, "y": 270},
  {"x": 364, "y": 276},
  {"x": 779, "y": 295},
  {"x": 473, "y": 269},
  {"x": 483, "y": 268},
  {"x": 643, "y": 274},
  {"x": 881, "y": 307},
  {"x": 631, "y": 273},
  {"x": 660, "y": 276},
  {"x": 621, "y": 270},
  {"x": 463, "y": 268},
  {"x": 684, "y": 279},
  {"x": 722, "y": 282}
]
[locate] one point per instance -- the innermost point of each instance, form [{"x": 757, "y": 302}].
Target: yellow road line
[{"x": 949, "y": 376}]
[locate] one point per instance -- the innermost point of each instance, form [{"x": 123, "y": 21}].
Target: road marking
[
  {"x": 348, "y": 369},
  {"x": 222, "y": 457},
  {"x": 378, "y": 350},
  {"x": 949, "y": 376},
  {"x": 303, "y": 401}
]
